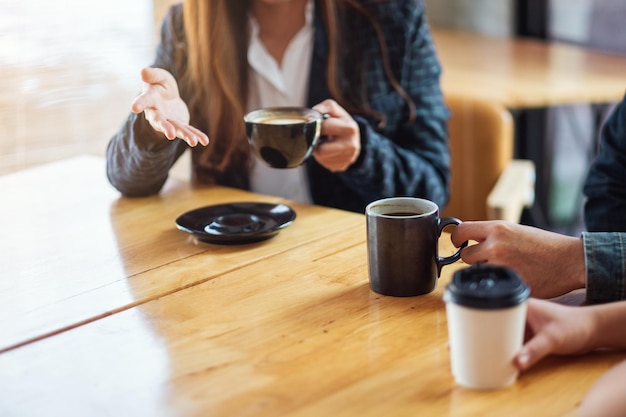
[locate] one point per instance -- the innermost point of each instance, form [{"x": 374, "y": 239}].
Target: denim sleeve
[{"x": 605, "y": 261}]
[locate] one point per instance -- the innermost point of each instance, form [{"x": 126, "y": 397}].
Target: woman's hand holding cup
[{"x": 342, "y": 144}]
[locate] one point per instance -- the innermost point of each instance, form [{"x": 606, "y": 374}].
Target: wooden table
[
  {"x": 527, "y": 73},
  {"x": 106, "y": 309}
]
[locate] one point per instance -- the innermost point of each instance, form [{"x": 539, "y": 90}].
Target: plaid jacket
[{"x": 400, "y": 160}]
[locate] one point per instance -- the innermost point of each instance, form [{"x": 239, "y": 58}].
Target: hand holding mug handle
[{"x": 447, "y": 260}]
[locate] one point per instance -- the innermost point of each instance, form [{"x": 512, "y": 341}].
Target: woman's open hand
[{"x": 164, "y": 109}]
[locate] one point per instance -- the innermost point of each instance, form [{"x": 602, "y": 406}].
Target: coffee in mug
[
  {"x": 283, "y": 137},
  {"x": 486, "y": 313},
  {"x": 402, "y": 245}
]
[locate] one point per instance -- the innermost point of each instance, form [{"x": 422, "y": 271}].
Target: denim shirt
[{"x": 605, "y": 213}]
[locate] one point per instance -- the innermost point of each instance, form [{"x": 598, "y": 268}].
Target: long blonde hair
[{"x": 215, "y": 79}]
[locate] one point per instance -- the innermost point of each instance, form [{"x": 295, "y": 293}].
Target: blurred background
[
  {"x": 571, "y": 130},
  {"x": 70, "y": 69},
  {"x": 68, "y": 73}
]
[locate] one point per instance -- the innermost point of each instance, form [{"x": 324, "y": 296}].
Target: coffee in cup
[
  {"x": 283, "y": 137},
  {"x": 402, "y": 245}
]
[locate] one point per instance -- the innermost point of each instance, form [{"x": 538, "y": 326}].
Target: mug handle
[
  {"x": 447, "y": 260},
  {"x": 323, "y": 138}
]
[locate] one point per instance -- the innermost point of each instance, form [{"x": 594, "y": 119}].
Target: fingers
[
  {"x": 339, "y": 151},
  {"x": 473, "y": 254},
  {"x": 139, "y": 104},
  {"x": 189, "y": 134},
  {"x": 335, "y": 156},
  {"x": 151, "y": 75},
  {"x": 147, "y": 99},
  {"x": 469, "y": 231},
  {"x": 203, "y": 139},
  {"x": 537, "y": 348},
  {"x": 159, "y": 122},
  {"x": 498, "y": 241},
  {"x": 343, "y": 146},
  {"x": 332, "y": 108},
  {"x": 540, "y": 344},
  {"x": 173, "y": 129},
  {"x": 340, "y": 124}
]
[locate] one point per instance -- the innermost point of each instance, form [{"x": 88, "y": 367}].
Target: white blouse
[{"x": 272, "y": 85}]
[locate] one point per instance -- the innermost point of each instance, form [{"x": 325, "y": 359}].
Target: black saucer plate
[{"x": 236, "y": 223}]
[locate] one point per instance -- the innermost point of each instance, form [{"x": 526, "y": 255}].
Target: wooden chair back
[{"x": 481, "y": 139}]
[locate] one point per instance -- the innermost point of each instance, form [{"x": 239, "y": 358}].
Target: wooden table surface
[
  {"x": 526, "y": 73},
  {"x": 76, "y": 251},
  {"x": 106, "y": 309}
]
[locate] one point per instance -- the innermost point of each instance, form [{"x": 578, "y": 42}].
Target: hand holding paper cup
[{"x": 486, "y": 312}]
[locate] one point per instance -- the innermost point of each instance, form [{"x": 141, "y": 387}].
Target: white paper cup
[{"x": 486, "y": 313}]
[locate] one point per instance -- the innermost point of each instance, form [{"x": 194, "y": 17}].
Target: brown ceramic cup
[{"x": 402, "y": 245}]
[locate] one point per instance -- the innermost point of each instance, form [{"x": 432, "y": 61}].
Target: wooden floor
[{"x": 68, "y": 73}]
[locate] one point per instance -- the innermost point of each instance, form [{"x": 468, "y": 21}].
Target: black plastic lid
[{"x": 486, "y": 287}]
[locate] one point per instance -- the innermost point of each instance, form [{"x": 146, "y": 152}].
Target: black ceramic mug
[
  {"x": 402, "y": 245},
  {"x": 283, "y": 137}
]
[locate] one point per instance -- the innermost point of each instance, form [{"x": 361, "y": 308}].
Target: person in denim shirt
[
  {"x": 605, "y": 212},
  {"x": 553, "y": 264},
  {"x": 370, "y": 65}
]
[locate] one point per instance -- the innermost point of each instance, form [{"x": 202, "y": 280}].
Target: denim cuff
[{"x": 605, "y": 261}]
